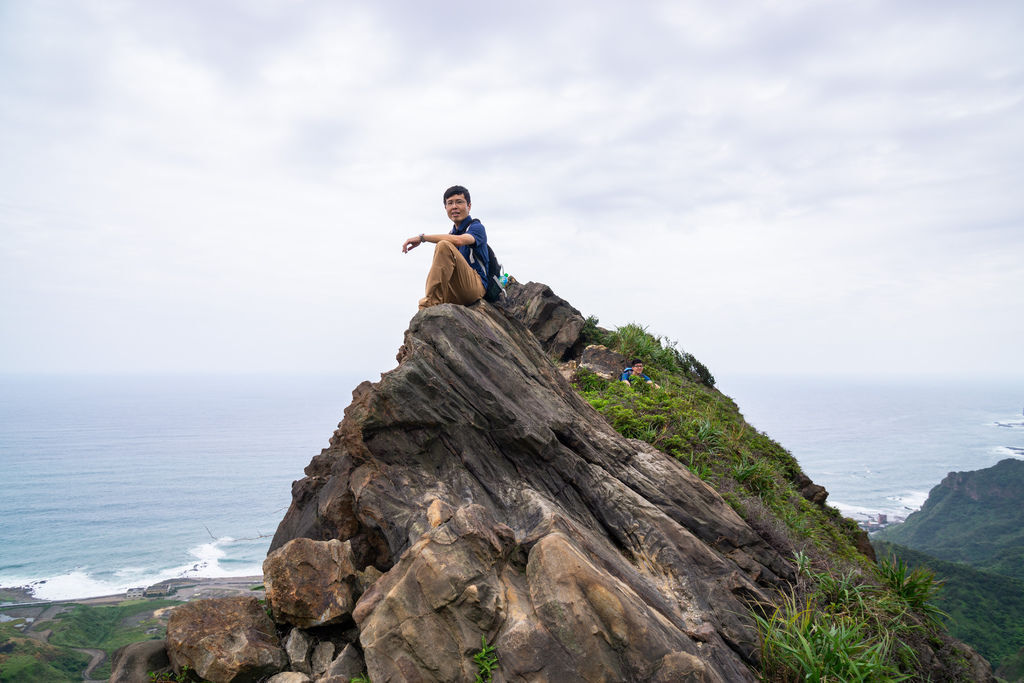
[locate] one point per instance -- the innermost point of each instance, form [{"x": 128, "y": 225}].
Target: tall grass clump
[
  {"x": 802, "y": 643},
  {"x": 916, "y": 587}
]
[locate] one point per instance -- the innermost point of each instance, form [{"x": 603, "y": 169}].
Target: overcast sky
[{"x": 781, "y": 186}]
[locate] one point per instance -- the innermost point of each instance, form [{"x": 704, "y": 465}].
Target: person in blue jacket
[
  {"x": 636, "y": 369},
  {"x": 458, "y": 273}
]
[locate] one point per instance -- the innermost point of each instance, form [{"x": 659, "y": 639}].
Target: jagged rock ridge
[
  {"x": 499, "y": 504},
  {"x": 471, "y": 495}
]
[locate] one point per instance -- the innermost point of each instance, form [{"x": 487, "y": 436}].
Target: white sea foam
[
  {"x": 70, "y": 586},
  {"x": 910, "y": 501},
  {"x": 82, "y": 583},
  {"x": 900, "y": 506}
]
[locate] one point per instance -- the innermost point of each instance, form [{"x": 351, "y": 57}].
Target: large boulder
[
  {"x": 552, "y": 319},
  {"x": 310, "y": 583},
  {"x": 603, "y": 361},
  {"x": 225, "y": 640},
  {"x": 500, "y": 506}
]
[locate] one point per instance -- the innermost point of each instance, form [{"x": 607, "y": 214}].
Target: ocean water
[
  {"x": 112, "y": 482},
  {"x": 879, "y": 445}
]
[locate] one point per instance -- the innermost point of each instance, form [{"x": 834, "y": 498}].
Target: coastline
[
  {"x": 177, "y": 589},
  {"x": 33, "y": 620}
]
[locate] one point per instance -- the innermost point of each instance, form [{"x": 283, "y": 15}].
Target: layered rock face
[{"x": 499, "y": 505}]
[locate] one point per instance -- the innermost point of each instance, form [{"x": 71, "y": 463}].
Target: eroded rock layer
[{"x": 498, "y": 504}]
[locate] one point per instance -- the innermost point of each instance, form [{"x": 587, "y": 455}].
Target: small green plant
[
  {"x": 709, "y": 437},
  {"x": 803, "y": 563},
  {"x": 361, "y": 678},
  {"x": 755, "y": 475},
  {"x": 486, "y": 661},
  {"x": 170, "y": 677},
  {"x": 916, "y": 587},
  {"x": 699, "y": 466}
]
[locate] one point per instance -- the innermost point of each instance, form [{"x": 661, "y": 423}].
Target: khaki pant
[{"x": 451, "y": 279}]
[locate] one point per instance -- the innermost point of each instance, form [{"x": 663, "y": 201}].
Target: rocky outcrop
[
  {"x": 551, "y": 319},
  {"x": 499, "y": 505},
  {"x": 225, "y": 640},
  {"x": 471, "y": 498}
]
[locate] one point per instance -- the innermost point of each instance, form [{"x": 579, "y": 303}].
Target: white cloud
[{"x": 779, "y": 185}]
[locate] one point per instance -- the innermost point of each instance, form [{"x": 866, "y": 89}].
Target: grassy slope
[
  {"x": 985, "y": 610},
  {"x": 690, "y": 420},
  {"x": 850, "y": 619},
  {"x": 25, "y": 660}
]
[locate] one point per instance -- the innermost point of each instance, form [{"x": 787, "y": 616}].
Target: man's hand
[{"x": 412, "y": 243}]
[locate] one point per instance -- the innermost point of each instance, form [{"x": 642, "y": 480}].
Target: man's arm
[{"x": 458, "y": 240}]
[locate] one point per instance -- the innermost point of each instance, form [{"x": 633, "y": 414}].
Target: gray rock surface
[
  {"x": 346, "y": 666},
  {"x": 134, "y": 662},
  {"x": 321, "y": 658},
  {"x": 552, "y": 319},
  {"x": 297, "y": 646},
  {"x": 290, "y": 677},
  {"x": 498, "y": 504},
  {"x": 599, "y": 360}
]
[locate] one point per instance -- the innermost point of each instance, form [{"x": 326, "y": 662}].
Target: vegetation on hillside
[
  {"x": 1012, "y": 668},
  {"x": 102, "y": 627},
  {"x": 846, "y": 618},
  {"x": 982, "y": 608},
  {"x": 972, "y": 517},
  {"x": 108, "y": 627},
  {"x": 26, "y": 659}
]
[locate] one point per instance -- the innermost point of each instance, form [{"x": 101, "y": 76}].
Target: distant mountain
[
  {"x": 985, "y": 610},
  {"x": 972, "y": 517}
]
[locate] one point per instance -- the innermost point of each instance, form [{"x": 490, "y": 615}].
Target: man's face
[
  {"x": 638, "y": 369},
  {"x": 457, "y": 208}
]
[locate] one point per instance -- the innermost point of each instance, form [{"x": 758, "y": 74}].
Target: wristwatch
[{"x": 421, "y": 238}]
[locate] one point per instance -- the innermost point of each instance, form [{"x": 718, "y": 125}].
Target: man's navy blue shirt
[{"x": 475, "y": 254}]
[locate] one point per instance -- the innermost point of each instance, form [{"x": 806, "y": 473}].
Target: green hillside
[
  {"x": 985, "y": 610},
  {"x": 972, "y": 517}
]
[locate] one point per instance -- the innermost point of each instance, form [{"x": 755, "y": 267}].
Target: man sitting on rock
[
  {"x": 459, "y": 271},
  {"x": 636, "y": 369}
]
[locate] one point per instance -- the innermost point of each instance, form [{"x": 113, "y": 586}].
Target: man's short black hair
[
  {"x": 636, "y": 361},
  {"x": 454, "y": 190}
]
